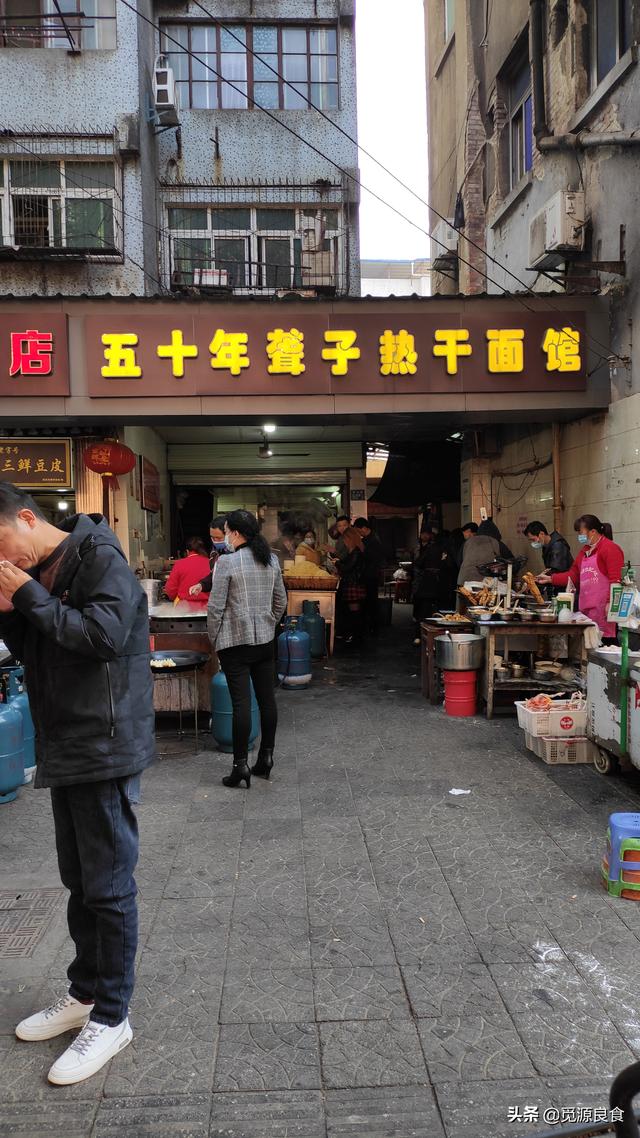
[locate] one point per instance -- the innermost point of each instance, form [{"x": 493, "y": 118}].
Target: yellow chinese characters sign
[
  {"x": 36, "y": 464},
  {"x": 251, "y": 350}
]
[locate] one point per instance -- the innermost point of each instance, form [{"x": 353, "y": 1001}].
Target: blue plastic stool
[{"x": 621, "y": 826}]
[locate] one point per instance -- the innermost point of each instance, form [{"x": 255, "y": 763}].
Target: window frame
[
  {"x": 257, "y": 267},
  {"x": 518, "y": 114},
  {"x": 621, "y": 47},
  {"x": 47, "y": 19},
  {"x": 61, "y": 194},
  {"x": 253, "y": 54}
]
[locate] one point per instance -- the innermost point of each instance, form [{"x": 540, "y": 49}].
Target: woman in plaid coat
[{"x": 247, "y": 600}]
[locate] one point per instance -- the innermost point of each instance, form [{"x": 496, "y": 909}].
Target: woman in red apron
[{"x": 598, "y": 565}]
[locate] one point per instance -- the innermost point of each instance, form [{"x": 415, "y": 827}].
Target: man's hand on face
[{"x": 11, "y": 579}]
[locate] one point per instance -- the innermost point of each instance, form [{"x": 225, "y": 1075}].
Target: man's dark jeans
[
  {"x": 97, "y": 843},
  {"x": 240, "y": 664}
]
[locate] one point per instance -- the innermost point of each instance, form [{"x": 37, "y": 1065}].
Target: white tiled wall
[{"x": 600, "y": 474}]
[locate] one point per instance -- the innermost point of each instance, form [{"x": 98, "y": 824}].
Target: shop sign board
[
  {"x": 36, "y": 464},
  {"x": 237, "y": 350},
  {"x": 150, "y": 485},
  {"x": 34, "y": 354}
]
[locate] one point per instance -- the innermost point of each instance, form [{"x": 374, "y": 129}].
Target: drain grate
[{"x": 24, "y": 918}]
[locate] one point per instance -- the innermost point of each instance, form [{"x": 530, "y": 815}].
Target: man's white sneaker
[
  {"x": 67, "y": 1014},
  {"x": 95, "y": 1046}
]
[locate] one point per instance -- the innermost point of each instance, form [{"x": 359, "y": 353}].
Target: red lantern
[{"x": 109, "y": 459}]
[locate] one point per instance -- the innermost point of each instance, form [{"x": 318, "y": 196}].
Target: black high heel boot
[
  {"x": 240, "y": 772},
  {"x": 262, "y": 768}
]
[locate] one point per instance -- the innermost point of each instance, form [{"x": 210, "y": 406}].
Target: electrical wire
[
  {"x": 346, "y": 173},
  {"x": 215, "y": 20}
]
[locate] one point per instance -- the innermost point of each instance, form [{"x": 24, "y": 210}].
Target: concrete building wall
[
  {"x": 109, "y": 92},
  {"x": 224, "y": 146},
  {"x": 130, "y": 524},
  {"x": 92, "y": 92},
  {"x": 598, "y": 457}
]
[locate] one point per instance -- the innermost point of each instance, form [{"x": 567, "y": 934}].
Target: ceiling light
[{"x": 269, "y": 428}]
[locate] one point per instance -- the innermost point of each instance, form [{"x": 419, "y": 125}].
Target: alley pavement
[{"x": 349, "y": 950}]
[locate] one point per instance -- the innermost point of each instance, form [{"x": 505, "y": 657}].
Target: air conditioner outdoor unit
[
  {"x": 557, "y": 230},
  {"x": 317, "y": 270},
  {"x": 165, "y": 94},
  {"x": 211, "y": 278},
  {"x": 445, "y": 244}
]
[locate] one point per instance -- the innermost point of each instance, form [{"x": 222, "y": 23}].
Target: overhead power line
[
  {"x": 357, "y": 181},
  {"x": 336, "y": 126}
]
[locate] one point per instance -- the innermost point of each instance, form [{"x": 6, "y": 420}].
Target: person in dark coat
[
  {"x": 373, "y": 566},
  {"x": 73, "y": 612},
  {"x": 427, "y": 566},
  {"x": 218, "y": 548},
  {"x": 555, "y": 549},
  {"x": 489, "y": 528},
  {"x": 351, "y": 590}
]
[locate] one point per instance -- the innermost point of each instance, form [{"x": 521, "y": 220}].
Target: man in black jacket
[
  {"x": 218, "y": 548},
  {"x": 374, "y": 561},
  {"x": 73, "y": 613},
  {"x": 556, "y": 554}
]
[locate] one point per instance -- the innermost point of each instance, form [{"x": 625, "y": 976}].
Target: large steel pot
[
  {"x": 152, "y": 588},
  {"x": 459, "y": 652}
]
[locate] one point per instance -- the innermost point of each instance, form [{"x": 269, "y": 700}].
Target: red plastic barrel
[{"x": 460, "y": 693}]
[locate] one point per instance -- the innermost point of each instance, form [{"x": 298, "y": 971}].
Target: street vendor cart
[
  {"x": 531, "y": 639},
  {"x": 613, "y": 688},
  {"x": 605, "y": 700}
]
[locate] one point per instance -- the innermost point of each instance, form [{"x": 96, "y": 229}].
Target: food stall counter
[{"x": 181, "y": 627}]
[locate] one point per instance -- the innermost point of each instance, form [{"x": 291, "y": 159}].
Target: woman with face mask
[
  {"x": 218, "y": 547},
  {"x": 308, "y": 548},
  {"x": 598, "y": 565}
]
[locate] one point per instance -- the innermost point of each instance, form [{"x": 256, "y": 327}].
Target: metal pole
[
  {"x": 624, "y": 692},
  {"x": 557, "y": 492}
]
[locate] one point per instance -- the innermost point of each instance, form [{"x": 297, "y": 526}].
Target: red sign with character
[{"x": 34, "y": 356}]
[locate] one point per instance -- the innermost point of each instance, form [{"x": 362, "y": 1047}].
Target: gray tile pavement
[{"x": 347, "y": 951}]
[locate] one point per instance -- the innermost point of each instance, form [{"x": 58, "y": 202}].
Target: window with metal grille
[
  {"x": 275, "y": 66},
  {"x": 71, "y": 24},
  {"x": 59, "y": 205},
  {"x": 254, "y": 248}
]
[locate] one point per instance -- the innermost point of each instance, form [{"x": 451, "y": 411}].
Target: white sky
[{"x": 392, "y": 126}]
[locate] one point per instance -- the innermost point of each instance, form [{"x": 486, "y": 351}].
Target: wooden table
[
  {"x": 429, "y": 630},
  {"x": 492, "y": 631},
  {"x": 327, "y": 604}
]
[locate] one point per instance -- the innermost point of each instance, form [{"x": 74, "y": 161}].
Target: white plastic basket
[
  {"x": 576, "y": 750},
  {"x": 561, "y": 721},
  {"x": 533, "y": 744}
]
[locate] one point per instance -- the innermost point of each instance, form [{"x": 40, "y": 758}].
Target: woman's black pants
[{"x": 240, "y": 664}]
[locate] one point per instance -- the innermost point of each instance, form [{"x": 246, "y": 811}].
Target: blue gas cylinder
[
  {"x": 222, "y": 715},
  {"x": 16, "y": 695},
  {"x": 294, "y": 656},
  {"x": 11, "y": 761},
  {"x": 313, "y": 624}
]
